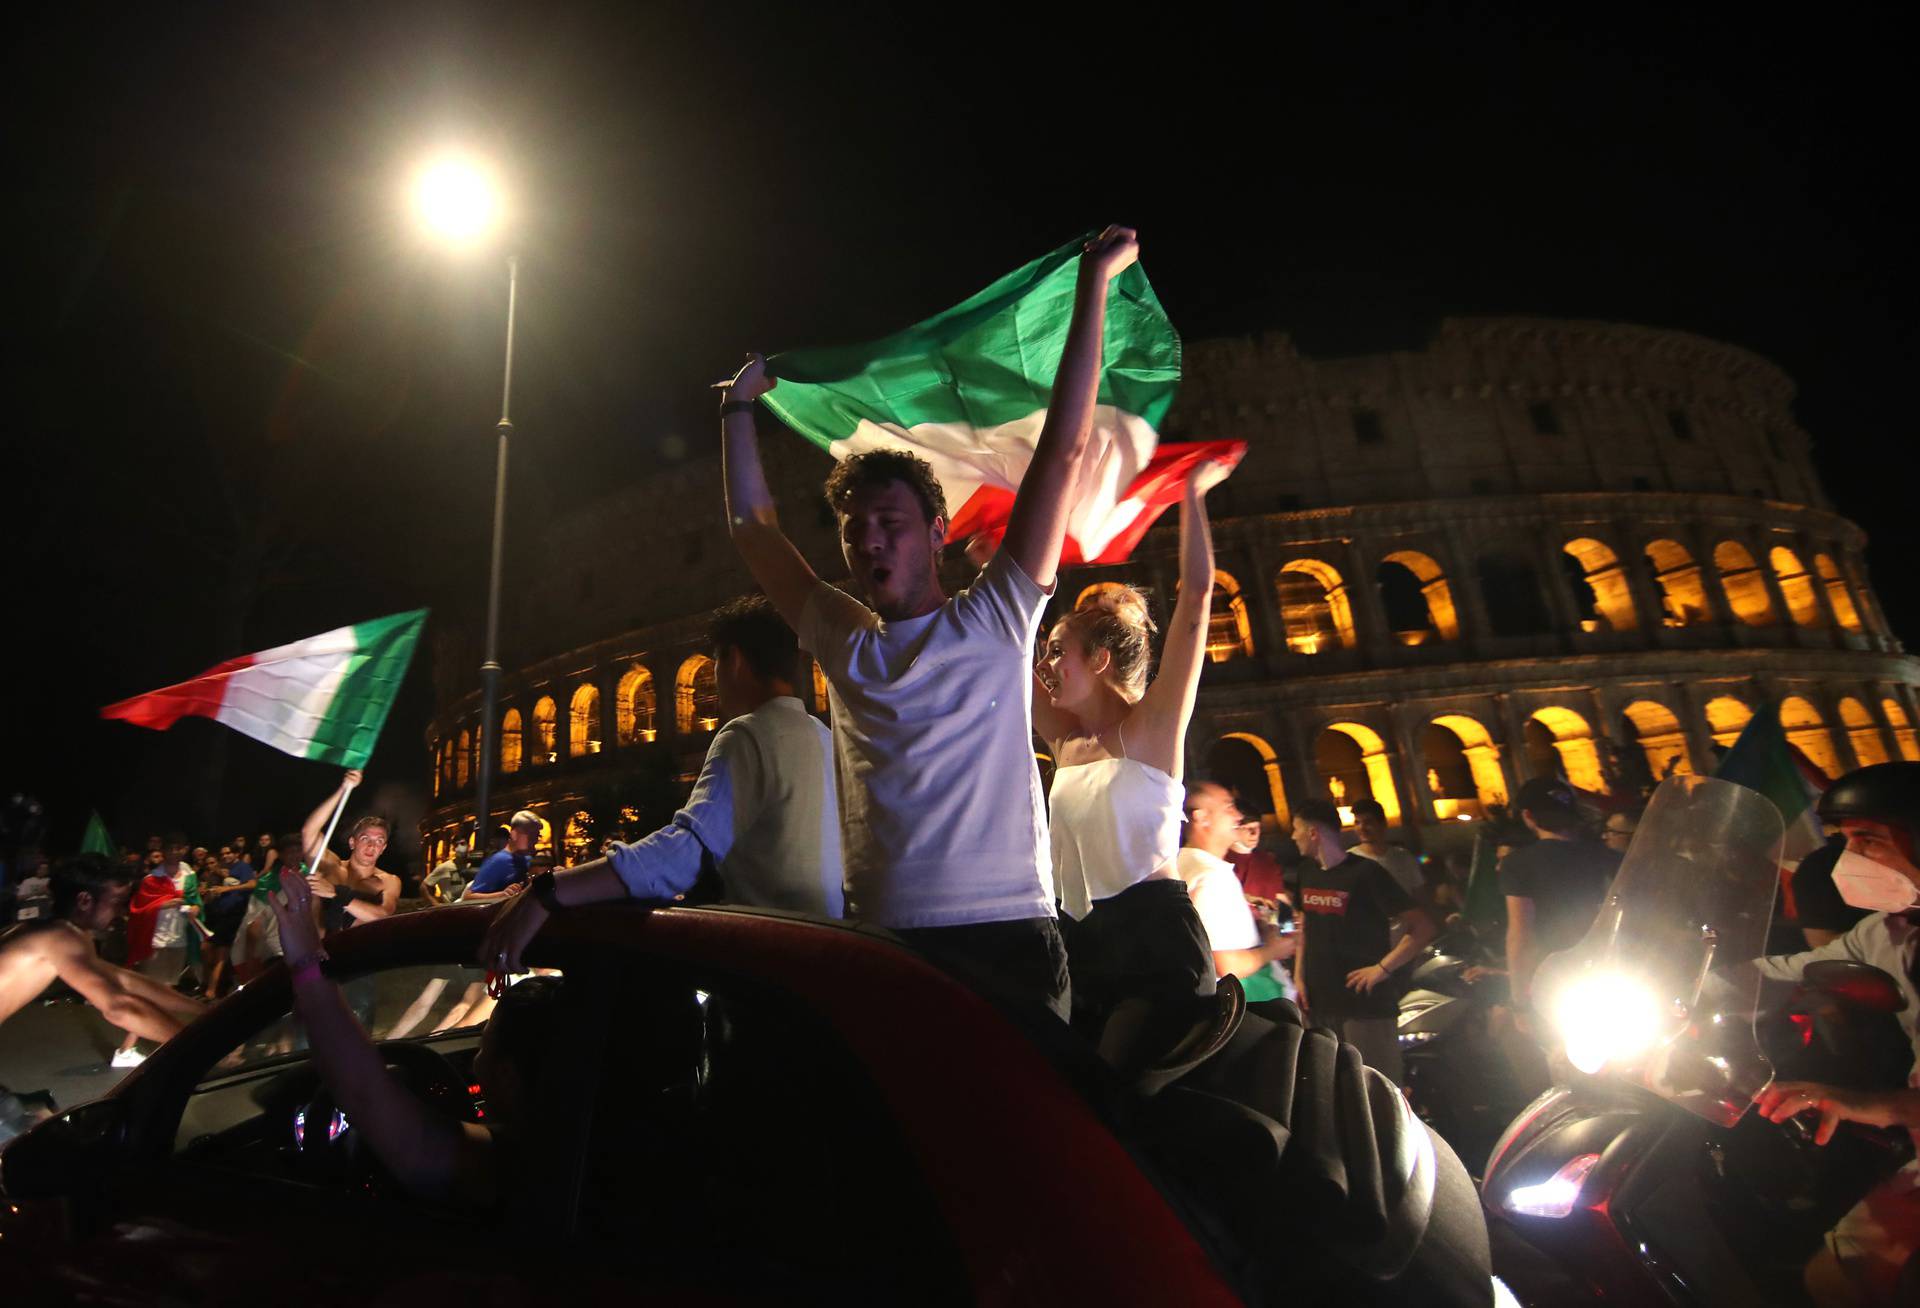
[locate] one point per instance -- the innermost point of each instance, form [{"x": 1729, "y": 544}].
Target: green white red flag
[
  {"x": 967, "y": 390},
  {"x": 1762, "y": 759},
  {"x": 324, "y": 698}
]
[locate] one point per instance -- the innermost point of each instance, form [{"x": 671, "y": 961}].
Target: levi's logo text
[{"x": 1325, "y": 901}]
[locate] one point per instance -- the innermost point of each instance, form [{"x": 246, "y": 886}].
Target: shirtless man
[
  {"x": 356, "y": 890},
  {"x": 89, "y": 895}
]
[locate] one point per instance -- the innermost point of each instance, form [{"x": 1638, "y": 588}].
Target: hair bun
[{"x": 1121, "y": 601}]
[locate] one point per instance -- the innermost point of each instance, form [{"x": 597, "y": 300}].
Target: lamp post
[{"x": 459, "y": 203}]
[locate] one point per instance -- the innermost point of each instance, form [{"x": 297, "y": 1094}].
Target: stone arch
[
  {"x": 1511, "y": 590},
  {"x": 1463, "y": 766},
  {"x": 633, "y": 706},
  {"x": 1228, "y": 634},
  {"x": 1807, "y": 732},
  {"x": 1796, "y": 587},
  {"x": 576, "y": 846},
  {"x": 463, "y": 759},
  {"x": 821, "y": 704},
  {"x": 513, "y": 744},
  {"x": 583, "y": 721},
  {"x": 1683, "y": 593},
  {"x": 1248, "y": 764},
  {"x": 1839, "y": 597},
  {"x": 446, "y": 763},
  {"x": 1727, "y": 717},
  {"x": 546, "y": 734},
  {"x": 1316, "y": 610},
  {"x": 1600, "y": 579},
  {"x": 1903, "y": 735},
  {"x": 1441, "y": 619},
  {"x": 1559, "y": 740},
  {"x": 1656, "y": 729},
  {"x": 696, "y": 704},
  {"x": 1869, "y": 746},
  {"x": 1352, "y": 762},
  {"x": 435, "y": 765},
  {"x": 1745, "y": 585}
]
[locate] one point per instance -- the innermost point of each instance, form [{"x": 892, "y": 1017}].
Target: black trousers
[
  {"x": 1022, "y": 962},
  {"x": 1141, "y": 967}
]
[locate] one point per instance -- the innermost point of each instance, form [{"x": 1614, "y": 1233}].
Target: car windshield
[{"x": 1659, "y": 992}]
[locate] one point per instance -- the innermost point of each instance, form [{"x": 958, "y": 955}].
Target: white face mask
[{"x": 1873, "y": 886}]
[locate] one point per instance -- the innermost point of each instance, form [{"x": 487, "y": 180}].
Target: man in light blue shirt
[{"x": 763, "y": 814}]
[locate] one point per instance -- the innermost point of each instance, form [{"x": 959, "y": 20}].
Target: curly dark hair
[{"x": 876, "y": 468}]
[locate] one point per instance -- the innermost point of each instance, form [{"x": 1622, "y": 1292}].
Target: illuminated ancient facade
[{"x": 1532, "y": 546}]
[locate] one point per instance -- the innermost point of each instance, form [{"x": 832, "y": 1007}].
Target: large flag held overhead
[
  {"x": 1762, "y": 760},
  {"x": 967, "y": 391},
  {"x": 323, "y": 698}
]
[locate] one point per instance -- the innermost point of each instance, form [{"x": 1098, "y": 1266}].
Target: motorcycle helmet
[{"x": 1885, "y": 792}]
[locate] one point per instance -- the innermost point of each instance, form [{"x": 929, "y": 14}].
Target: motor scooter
[{"x": 1642, "y": 1176}]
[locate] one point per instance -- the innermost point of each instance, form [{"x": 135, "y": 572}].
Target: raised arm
[
  {"x": 1037, "y": 525},
  {"x": 782, "y": 573},
  {"x": 1165, "y": 710},
  {"x": 316, "y": 824}
]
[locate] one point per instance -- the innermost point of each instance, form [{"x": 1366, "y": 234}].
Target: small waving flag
[
  {"x": 324, "y": 698},
  {"x": 1762, "y": 759},
  {"x": 967, "y": 390}
]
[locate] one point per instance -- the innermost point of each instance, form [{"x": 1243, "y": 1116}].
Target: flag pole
[{"x": 313, "y": 856}]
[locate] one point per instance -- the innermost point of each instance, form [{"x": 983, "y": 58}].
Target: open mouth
[{"x": 879, "y": 574}]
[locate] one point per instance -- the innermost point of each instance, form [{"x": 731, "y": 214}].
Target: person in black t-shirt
[
  {"x": 1349, "y": 907},
  {"x": 1822, "y": 914},
  {"x": 1554, "y": 886}
]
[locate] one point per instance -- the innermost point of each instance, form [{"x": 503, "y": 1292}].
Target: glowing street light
[{"x": 458, "y": 201}]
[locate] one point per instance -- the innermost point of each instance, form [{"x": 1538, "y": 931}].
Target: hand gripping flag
[
  {"x": 967, "y": 390},
  {"x": 323, "y": 698}
]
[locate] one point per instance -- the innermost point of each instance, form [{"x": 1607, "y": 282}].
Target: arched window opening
[
  {"x": 446, "y": 763},
  {"x": 546, "y": 735},
  {"x": 577, "y": 845},
  {"x": 1560, "y": 743},
  {"x": 1869, "y": 746},
  {"x": 1352, "y": 762},
  {"x": 821, "y": 704},
  {"x": 1228, "y": 635},
  {"x": 1512, "y": 593},
  {"x": 633, "y": 706},
  {"x": 1463, "y": 767},
  {"x": 1316, "y": 612},
  {"x": 1682, "y": 592},
  {"x": 1727, "y": 717},
  {"x": 1417, "y": 598},
  {"x": 696, "y": 703},
  {"x": 1248, "y": 764},
  {"x": 1744, "y": 583},
  {"x": 1839, "y": 598},
  {"x": 513, "y": 745},
  {"x": 1807, "y": 732},
  {"x": 583, "y": 721},
  {"x": 1903, "y": 735},
  {"x": 1599, "y": 586},
  {"x": 1796, "y": 587},
  {"x": 1657, "y": 731},
  {"x": 463, "y": 771},
  {"x": 435, "y": 764}
]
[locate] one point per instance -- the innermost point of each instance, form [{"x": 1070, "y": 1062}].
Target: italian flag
[
  {"x": 1762, "y": 759},
  {"x": 967, "y": 390},
  {"x": 323, "y": 698}
]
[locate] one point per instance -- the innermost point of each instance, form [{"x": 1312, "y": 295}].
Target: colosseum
[{"x": 1532, "y": 546}]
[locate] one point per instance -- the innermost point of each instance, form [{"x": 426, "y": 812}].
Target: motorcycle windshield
[{"x": 1660, "y": 992}]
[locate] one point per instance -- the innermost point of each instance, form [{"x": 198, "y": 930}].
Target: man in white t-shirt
[
  {"x": 1370, "y": 824},
  {"x": 762, "y": 814},
  {"x": 943, "y": 823},
  {"x": 1240, "y": 948}
]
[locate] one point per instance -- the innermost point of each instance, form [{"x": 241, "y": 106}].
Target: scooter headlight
[
  {"x": 1606, "y": 1018},
  {"x": 1555, "y": 1196}
]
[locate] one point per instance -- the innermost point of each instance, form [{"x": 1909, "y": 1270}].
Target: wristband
[
  {"x": 736, "y": 406},
  {"x": 546, "y": 890}
]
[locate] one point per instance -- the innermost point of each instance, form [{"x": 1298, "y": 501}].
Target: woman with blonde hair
[{"x": 1136, "y": 950}]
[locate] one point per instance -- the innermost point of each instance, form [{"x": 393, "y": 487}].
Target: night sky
[{"x": 249, "y": 405}]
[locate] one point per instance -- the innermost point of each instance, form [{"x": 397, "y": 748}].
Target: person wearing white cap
[{"x": 506, "y": 869}]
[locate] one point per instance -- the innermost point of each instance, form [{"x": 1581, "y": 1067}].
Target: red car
[{"x": 739, "y": 1107}]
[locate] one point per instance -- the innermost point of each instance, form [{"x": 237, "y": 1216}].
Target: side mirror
[
  {"x": 65, "y": 1155},
  {"x": 1860, "y": 985}
]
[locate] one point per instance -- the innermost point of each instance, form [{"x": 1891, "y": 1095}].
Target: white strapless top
[{"x": 1115, "y": 822}]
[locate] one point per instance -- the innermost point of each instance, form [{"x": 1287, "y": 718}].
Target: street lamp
[{"x": 458, "y": 201}]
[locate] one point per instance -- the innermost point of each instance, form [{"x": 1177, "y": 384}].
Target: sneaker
[{"x": 128, "y": 1058}]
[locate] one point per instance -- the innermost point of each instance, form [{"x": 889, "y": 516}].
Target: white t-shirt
[
  {"x": 1219, "y": 900},
  {"x": 1402, "y": 866},
  {"x": 941, "y": 816}
]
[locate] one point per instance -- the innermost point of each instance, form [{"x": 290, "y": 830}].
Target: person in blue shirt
[{"x": 506, "y": 869}]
